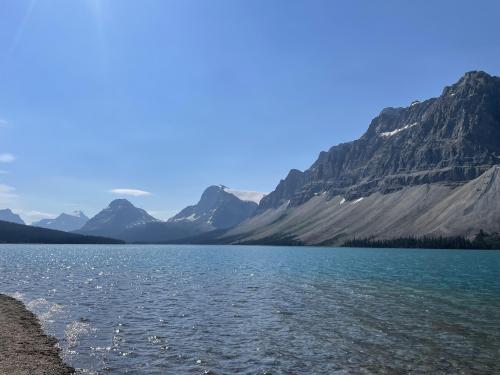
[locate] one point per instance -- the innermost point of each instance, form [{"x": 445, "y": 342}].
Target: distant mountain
[
  {"x": 430, "y": 169},
  {"x": 64, "y": 222},
  {"x": 19, "y": 233},
  {"x": 114, "y": 220},
  {"x": 8, "y": 215},
  {"x": 219, "y": 208}
]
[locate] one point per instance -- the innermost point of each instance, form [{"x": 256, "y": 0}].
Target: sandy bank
[{"x": 24, "y": 347}]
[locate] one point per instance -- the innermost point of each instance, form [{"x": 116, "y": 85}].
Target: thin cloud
[
  {"x": 30, "y": 216},
  {"x": 7, "y": 194},
  {"x": 3, "y": 171},
  {"x": 132, "y": 192},
  {"x": 9, "y": 199},
  {"x": 6, "y": 189},
  {"x": 7, "y": 158},
  {"x": 3, "y": 123}
]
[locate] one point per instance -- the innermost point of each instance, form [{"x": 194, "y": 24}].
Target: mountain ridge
[
  {"x": 115, "y": 219},
  {"x": 20, "y": 233},
  {"x": 422, "y": 153},
  {"x": 64, "y": 222},
  {"x": 428, "y": 169},
  {"x": 9, "y": 216},
  {"x": 214, "y": 199},
  {"x": 219, "y": 208},
  {"x": 427, "y": 142},
  {"x": 433, "y": 210}
]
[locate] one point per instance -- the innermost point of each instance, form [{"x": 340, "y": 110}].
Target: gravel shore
[{"x": 24, "y": 347}]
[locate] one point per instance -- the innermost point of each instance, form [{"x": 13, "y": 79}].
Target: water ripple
[{"x": 262, "y": 310}]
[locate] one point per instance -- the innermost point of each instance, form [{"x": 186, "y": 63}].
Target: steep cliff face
[
  {"x": 416, "y": 211},
  {"x": 431, "y": 169},
  {"x": 451, "y": 139}
]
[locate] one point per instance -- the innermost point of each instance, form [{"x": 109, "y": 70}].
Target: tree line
[{"x": 481, "y": 240}]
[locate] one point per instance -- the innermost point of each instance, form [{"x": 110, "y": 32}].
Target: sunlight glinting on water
[{"x": 248, "y": 310}]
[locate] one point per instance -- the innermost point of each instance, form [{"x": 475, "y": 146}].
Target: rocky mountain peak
[
  {"x": 451, "y": 139},
  {"x": 7, "y": 215},
  {"x": 210, "y": 195},
  {"x": 474, "y": 77},
  {"x": 64, "y": 222},
  {"x": 120, "y": 204},
  {"x": 119, "y": 216},
  {"x": 471, "y": 83},
  {"x": 219, "y": 207}
]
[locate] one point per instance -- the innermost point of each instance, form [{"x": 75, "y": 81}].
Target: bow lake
[{"x": 261, "y": 310}]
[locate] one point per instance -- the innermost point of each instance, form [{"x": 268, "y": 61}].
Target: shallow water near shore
[{"x": 257, "y": 309}]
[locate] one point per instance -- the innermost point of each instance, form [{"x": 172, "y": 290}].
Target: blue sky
[{"x": 170, "y": 97}]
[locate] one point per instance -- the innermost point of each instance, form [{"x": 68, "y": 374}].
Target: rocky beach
[{"x": 24, "y": 347}]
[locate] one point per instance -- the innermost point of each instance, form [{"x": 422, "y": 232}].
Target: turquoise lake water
[{"x": 262, "y": 310}]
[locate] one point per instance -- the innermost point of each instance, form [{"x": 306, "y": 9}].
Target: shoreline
[{"x": 24, "y": 346}]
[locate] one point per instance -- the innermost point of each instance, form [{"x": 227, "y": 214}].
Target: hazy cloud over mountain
[{"x": 131, "y": 192}]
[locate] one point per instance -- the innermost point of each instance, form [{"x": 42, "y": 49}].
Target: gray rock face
[
  {"x": 451, "y": 139},
  {"x": 431, "y": 169},
  {"x": 8, "y": 215},
  {"x": 418, "y": 210},
  {"x": 219, "y": 208},
  {"x": 64, "y": 222},
  {"x": 114, "y": 220}
]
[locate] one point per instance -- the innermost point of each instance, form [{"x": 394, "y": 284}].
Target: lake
[{"x": 262, "y": 310}]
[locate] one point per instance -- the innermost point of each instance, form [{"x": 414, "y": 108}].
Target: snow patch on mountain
[
  {"x": 245, "y": 195},
  {"x": 357, "y": 200},
  {"x": 192, "y": 217},
  {"x": 394, "y": 132},
  {"x": 77, "y": 214}
]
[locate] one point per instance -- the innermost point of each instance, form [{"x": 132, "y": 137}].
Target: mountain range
[
  {"x": 9, "y": 216},
  {"x": 219, "y": 208},
  {"x": 119, "y": 217},
  {"x": 431, "y": 169},
  {"x": 64, "y": 222}
]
